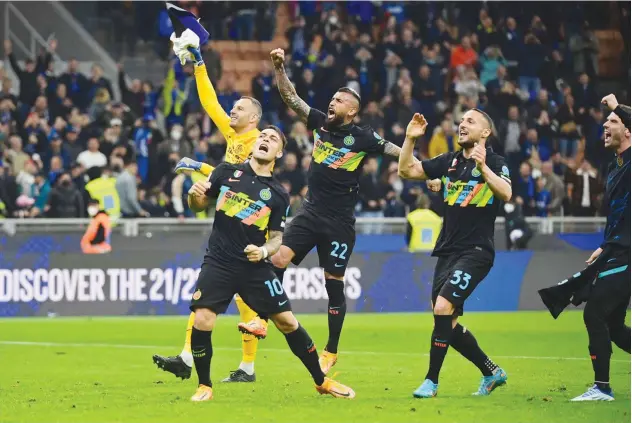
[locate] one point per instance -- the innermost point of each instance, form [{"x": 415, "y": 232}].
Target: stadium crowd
[{"x": 534, "y": 73}]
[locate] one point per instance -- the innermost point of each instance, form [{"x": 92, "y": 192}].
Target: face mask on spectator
[
  {"x": 176, "y": 134},
  {"x": 93, "y": 210}
]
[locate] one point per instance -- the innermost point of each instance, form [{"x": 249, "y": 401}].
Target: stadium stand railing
[{"x": 396, "y": 225}]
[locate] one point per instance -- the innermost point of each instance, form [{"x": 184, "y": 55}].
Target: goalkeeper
[{"x": 240, "y": 131}]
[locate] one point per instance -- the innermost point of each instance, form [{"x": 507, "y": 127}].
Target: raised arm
[
  {"x": 188, "y": 47},
  {"x": 408, "y": 166},
  {"x": 286, "y": 88}
]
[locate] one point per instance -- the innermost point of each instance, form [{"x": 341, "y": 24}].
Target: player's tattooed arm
[
  {"x": 286, "y": 88},
  {"x": 274, "y": 242},
  {"x": 391, "y": 149},
  {"x": 256, "y": 254}
]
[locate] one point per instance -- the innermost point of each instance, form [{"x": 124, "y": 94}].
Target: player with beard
[
  {"x": 475, "y": 180},
  {"x": 326, "y": 219},
  {"x": 250, "y": 216},
  {"x": 609, "y": 297}
]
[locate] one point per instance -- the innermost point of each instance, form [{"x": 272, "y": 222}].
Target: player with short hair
[
  {"x": 475, "y": 180},
  {"x": 240, "y": 131},
  {"x": 250, "y": 216},
  {"x": 609, "y": 297},
  {"x": 326, "y": 218}
]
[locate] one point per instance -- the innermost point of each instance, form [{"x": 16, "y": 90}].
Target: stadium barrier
[{"x": 154, "y": 265}]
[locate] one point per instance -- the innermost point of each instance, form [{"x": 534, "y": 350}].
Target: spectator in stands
[
  {"x": 28, "y": 75},
  {"x": 15, "y": 156},
  {"x": 65, "y": 200},
  {"x": 491, "y": 59},
  {"x": 525, "y": 189},
  {"x": 585, "y": 191},
  {"x": 585, "y": 97},
  {"x": 585, "y": 47},
  {"x": 444, "y": 139},
  {"x": 567, "y": 120},
  {"x": 264, "y": 89},
  {"x": 509, "y": 132},
  {"x": 299, "y": 141},
  {"x": 128, "y": 192},
  {"x": 542, "y": 199},
  {"x": 213, "y": 63},
  {"x": 294, "y": 176},
  {"x": 512, "y": 45},
  {"x": 555, "y": 186},
  {"x": 41, "y": 191},
  {"x": 73, "y": 146},
  {"x": 76, "y": 83},
  {"x": 372, "y": 193},
  {"x": 463, "y": 54},
  {"x": 530, "y": 65},
  {"x": 534, "y": 149},
  {"x": 92, "y": 157}
]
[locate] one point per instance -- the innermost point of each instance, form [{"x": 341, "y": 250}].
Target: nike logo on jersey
[
  {"x": 282, "y": 303},
  {"x": 455, "y": 295},
  {"x": 338, "y": 265}
]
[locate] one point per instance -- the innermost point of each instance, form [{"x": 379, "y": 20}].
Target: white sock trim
[
  {"x": 187, "y": 357},
  {"x": 249, "y": 368}
]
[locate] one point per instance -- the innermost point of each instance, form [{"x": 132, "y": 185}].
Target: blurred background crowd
[{"x": 534, "y": 67}]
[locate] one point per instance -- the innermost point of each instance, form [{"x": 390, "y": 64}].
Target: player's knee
[
  {"x": 443, "y": 307},
  {"x": 204, "y": 319},
  {"x": 593, "y": 316},
  {"x": 335, "y": 291},
  {"x": 285, "y": 322},
  {"x": 329, "y": 276},
  {"x": 282, "y": 258}
]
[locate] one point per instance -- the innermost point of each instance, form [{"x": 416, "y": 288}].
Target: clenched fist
[
  {"x": 479, "y": 154},
  {"x": 611, "y": 101},
  {"x": 278, "y": 57},
  {"x": 200, "y": 188}
]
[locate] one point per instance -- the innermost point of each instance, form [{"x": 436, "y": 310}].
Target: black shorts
[
  {"x": 457, "y": 275},
  {"x": 334, "y": 240},
  {"x": 611, "y": 289},
  {"x": 256, "y": 284}
]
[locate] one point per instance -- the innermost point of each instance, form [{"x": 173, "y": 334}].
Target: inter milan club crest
[
  {"x": 619, "y": 161},
  {"x": 476, "y": 173},
  {"x": 265, "y": 194},
  {"x": 349, "y": 140},
  {"x": 237, "y": 173},
  {"x": 197, "y": 295}
]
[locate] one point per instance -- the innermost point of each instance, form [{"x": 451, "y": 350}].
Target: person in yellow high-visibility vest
[
  {"x": 423, "y": 227},
  {"x": 103, "y": 189},
  {"x": 240, "y": 131}
]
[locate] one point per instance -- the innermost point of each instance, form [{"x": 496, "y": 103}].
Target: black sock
[
  {"x": 439, "y": 343},
  {"x": 336, "y": 312},
  {"x": 600, "y": 358},
  {"x": 599, "y": 343},
  {"x": 303, "y": 347},
  {"x": 202, "y": 351},
  {"x": 464, "y": 342}
]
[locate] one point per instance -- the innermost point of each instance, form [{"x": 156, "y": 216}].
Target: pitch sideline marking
[{"x": 157, "y": 347}]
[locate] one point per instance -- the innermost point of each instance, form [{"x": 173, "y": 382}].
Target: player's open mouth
[
  {"x": 331, "y": 113},
  {"x": 264, "y": 148},
  {"x": 462, "y": 133},
  {"x": 607, "y": 135}
]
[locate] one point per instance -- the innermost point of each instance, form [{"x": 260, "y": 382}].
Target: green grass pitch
[{"x": 100, "y": 370}]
